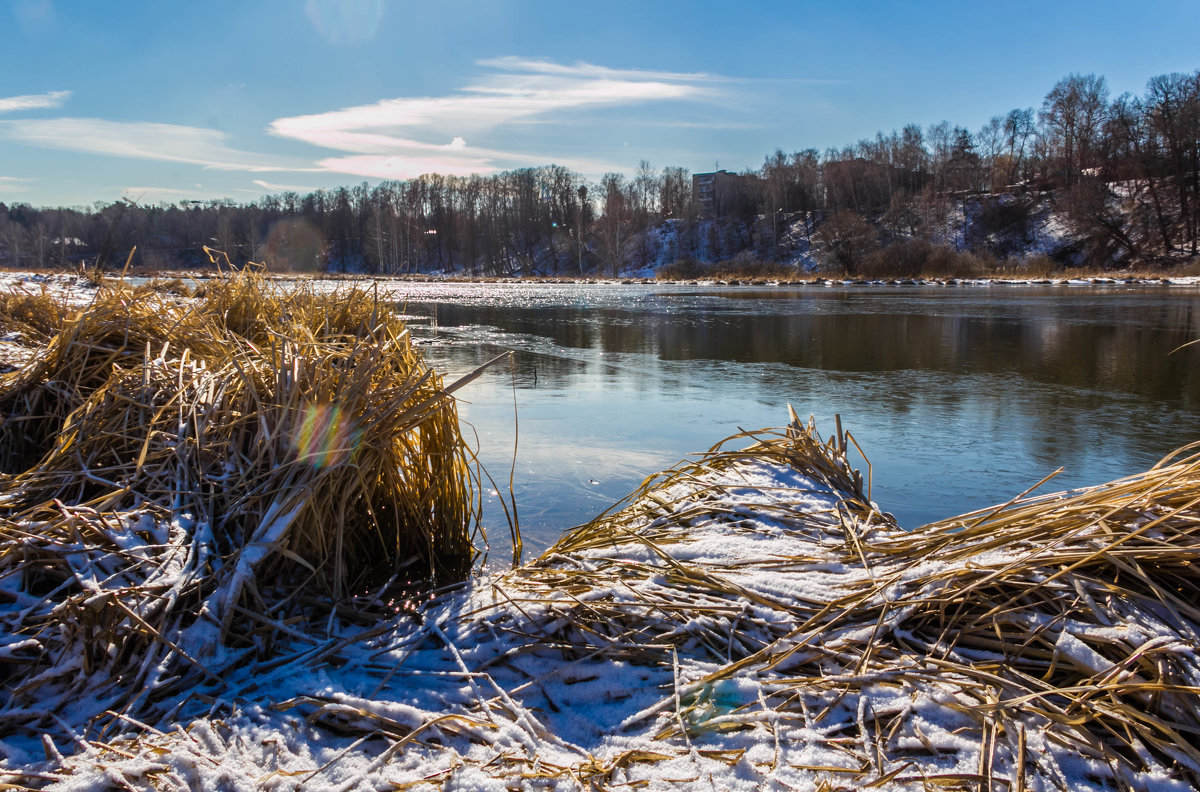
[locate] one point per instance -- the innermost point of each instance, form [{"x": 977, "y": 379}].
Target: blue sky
[{"x": 164, "y": 101}]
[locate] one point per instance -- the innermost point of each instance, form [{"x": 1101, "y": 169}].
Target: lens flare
[
  {"x": 325, "y": 438},
  {"x": 293, "y": 245},
  {"x": 345, "y": 21}
]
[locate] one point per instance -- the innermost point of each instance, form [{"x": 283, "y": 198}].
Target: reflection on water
[{"x": 962, "y": 397}]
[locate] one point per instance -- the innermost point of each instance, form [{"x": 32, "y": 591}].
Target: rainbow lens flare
[{"x": 325, "y": 437}]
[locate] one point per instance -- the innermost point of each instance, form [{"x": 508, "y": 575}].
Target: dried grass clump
[
  {"x": 34, "y": 316},
  {"x": 746, "y": 620},
  {"x": 1048, "y": 643},
  {"x": 174, "y": 286},
  {"x": 181, "y": 475},
  {"x": 1080, "y": 609},
  {"x": 115, "y": 330}
]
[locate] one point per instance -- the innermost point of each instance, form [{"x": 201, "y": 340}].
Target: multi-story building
[{"x": 714, "y": 191}]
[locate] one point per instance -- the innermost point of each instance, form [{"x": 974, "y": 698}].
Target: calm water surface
[{"x": 961, "y": 397}]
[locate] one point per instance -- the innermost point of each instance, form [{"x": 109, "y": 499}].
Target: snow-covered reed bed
[
  {"x": 182, "y": 476},
  {"x": 748, "y": 620}
]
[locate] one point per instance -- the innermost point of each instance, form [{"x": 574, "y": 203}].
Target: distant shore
[{"x": 14, "y": 277}]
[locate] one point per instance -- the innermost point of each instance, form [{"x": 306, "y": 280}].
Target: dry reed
[
  {"x": 751, "y": 610},
  {"x": 184, "y": 474},
  {"x": 36, "y": 316},
  {"x": 1047, "y": 643}
]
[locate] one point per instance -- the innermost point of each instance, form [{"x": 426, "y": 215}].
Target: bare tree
[
  {"x": 990, "y": 139},
  {"x": 1072, "y": 117},
  {"x": 615, "y": 220},
  {"x": 844, "y": 240},
  {"x": 1018, "y": 128},
  {"x": 1173, "y": 110}
]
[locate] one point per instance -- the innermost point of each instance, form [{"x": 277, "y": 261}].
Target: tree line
[{"x": 1124, "y": 172}]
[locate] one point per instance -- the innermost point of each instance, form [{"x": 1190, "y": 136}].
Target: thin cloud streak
[
  {"x": 381, "y": 138},
  {"x": 405, "y": 167},
  {"x": 281, "y": 188},
  {"x": 13, "y": 184},
  {"x": 43, "y": 101},
  {"x": 139, "y": 194},
  {"x": 581, "y": 68},
  {"x": 657, "y": 123},
  {"x": 397, "y": 138},
  {"x": 515, "y": 63},
  {"x": 143, "y": 140}
]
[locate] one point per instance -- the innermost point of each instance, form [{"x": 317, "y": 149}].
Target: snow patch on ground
[{"x": 662, "y": 657}]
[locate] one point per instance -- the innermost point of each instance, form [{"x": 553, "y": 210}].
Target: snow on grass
[{"x": 745, "y": 622}]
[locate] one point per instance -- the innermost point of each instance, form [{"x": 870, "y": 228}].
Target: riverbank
[
  {"x": 746, "y": 620},
  {"x": 77, "y": 287}
]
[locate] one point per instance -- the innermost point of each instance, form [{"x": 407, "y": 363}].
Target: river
[{"x": 960, "y": 396}]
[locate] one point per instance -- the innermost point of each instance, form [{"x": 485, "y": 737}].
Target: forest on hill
[{"x": 1086, "y": 179}]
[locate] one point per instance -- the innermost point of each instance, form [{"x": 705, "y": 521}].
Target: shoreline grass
[
  {"x": 181, "y": 475},
  {"x": 750, "y": 617},
  {"x": 185, "y": 524}
]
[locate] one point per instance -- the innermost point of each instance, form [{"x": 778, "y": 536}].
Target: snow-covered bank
[
  {"x": 746, "y": 621},
  {"x": 749, "y": 620}
]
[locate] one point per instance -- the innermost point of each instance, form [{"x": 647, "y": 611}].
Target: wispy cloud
[
  {"x": 141, "y": 194},
  {"x": 395, "y": 138},
  {"x": 345, "y": 21},
  {"x": 408, "y": 166},
  {"x": 405, "y": 166},
  {"x": 580, "y": 69},
  {"x": 41, "y": 101},
  {"x": 140, "y": 140},
  {"x": 34, "y": 16},
  {"x": 273, "y": 187},
  {"x": 11, "y": 184}
]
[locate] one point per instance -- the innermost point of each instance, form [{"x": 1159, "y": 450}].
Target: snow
[
  {"x": 530, "y": 678},
  {"x": 671, "y": 656},
  {"x": 76, "y": 290}
]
